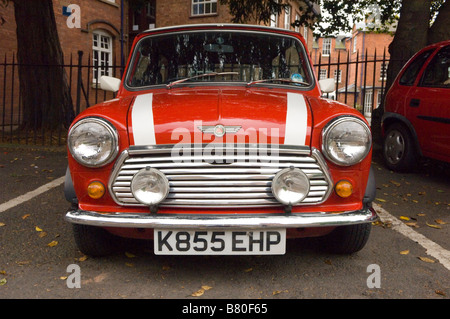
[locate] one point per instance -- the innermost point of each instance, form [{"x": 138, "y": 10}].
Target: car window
[
  {"x": 237, "y": 56},
  {"x": 411, "y": 72},
  {"x": 437, "y": 73}
]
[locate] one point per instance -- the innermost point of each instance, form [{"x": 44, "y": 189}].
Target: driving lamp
[
  {"x": 290, "y": 186},
  {"x": 346, "y": 141},
  {"x": 149, "y": 186}
]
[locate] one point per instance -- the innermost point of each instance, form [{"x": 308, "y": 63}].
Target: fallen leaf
[
  {"x": 2, "y": 281},
  {"x": 198, "y": 293},
  {"x": 404, "y": 218},
  {"x": 440, "y": 292},
  {"x": 129, "y": 255},
  {"x": 38, "y": 229},
  {"x": 381, "y": 200},
  {"x": 412, "y": 224},
  {"x": 83, "y": 258},
  {"x": 2, "y": 272},
  {"x": 248, "y": 270},
  {"x": 129, "y": 264},
  {"x": 421, "y": 214},
  {"x": 25, "y": 216},
  {"x": 63, "y": 277},
  {"x": 206, "y": 287},
  {"x": 42, "y": 234},
  {"x": 440, "y": 221},
  {"x": 395, "y": 183},
  {"x": 426, "y": 259},
  {"x": 433, "y": 226},
  {"x": 276, "y": 292},
  {"x": 404, "y": 252},
  {"x": 2, "y": 224},
  {"x": 52, "y": 243}
]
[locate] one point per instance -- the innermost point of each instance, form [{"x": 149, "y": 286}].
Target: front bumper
[{"x": 301, "y": 220}]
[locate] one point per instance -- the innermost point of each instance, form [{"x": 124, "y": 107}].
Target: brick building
[
  {"x": 102, "y": 31},
  {"x": 362, "y": 83}
]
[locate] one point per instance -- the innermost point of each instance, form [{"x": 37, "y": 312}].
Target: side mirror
[
  {"x": 327, "y": 85},
  {"x": 108, "y": 83}
]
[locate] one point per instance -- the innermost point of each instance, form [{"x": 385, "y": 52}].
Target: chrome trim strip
[{"x": 134, "y": 220}]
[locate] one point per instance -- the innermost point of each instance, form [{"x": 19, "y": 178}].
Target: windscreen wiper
[
  {"x": 277, "y": 79},
  {"x": 199, "y": 76}
]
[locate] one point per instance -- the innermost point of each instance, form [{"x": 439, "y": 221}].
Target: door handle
[{"x": 414, "y": 103}]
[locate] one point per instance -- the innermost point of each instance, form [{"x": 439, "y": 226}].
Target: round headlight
[
  {"x": 149, "y": 186},
  {"x": 93, "y": 142},
  {"x": 290, "y": 186},
  {"x": 346, "y": 141}
]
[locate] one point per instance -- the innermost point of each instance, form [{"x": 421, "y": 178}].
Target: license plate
[{"x": 220, "y": 242}]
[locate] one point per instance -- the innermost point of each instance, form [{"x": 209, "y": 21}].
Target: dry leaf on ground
[{"x": 426, "y": 259}]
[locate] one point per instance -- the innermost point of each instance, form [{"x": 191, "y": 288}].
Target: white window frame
[
  {"x": 102, "y": 54},
  {"x": 323, "y": 73},
  {"x": 383, "y": 71},
  {"x": 337, "y": 76},
  {"x": 355, "y": 42},
  {"x": 297, "y": 28},
  {"x": 368, "y": 96},
  {"x": 326, "y": 46},
  {"x": 287, "y": 18},
  {"x": 305, "y": 33},
  {"x": 197, "y": 4}
]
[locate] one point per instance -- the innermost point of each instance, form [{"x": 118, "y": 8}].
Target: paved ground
[{"x": 37, "y": 247}]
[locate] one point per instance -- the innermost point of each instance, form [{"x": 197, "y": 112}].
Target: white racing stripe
[
  {"x": 142, "y": 120},
  {"x": 296, "y": 120},
  {"x": 431, "y": 247}
]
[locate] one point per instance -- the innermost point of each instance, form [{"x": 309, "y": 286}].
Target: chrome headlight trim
[
  {"x": 110, "y": 132},
  {"x": 329, "y": 143}
]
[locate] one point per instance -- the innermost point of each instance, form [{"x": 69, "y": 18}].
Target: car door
[{"x": 428, "y": 106}]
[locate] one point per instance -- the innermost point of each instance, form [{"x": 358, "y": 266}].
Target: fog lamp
[
  {"x": 290, "y": 186},
  {"x": 344, "y": 188},
  {"x": 149, "y": 186},
  {"x": 96, "y": 190}
]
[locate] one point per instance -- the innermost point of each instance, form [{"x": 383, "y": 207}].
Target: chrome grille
[{"x": 240, "y": 176}]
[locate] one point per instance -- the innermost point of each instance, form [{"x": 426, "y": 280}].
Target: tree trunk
[
  {"x": 440, "y": 29},
  {"x": 44, "y": 87},
  {"x": 411, "y": 36}
]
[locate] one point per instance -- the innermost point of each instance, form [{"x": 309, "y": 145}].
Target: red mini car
[
  {"x": 416, "y": 122},
  {"x": 219, "y": 142}
]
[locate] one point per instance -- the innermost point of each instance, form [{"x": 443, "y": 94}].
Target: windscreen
[{"x": 213, "y": 56}]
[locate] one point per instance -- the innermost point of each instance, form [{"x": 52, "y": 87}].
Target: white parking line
[
  {"x": 431, "y": 247},
  {"x": 26, "y": 197}
]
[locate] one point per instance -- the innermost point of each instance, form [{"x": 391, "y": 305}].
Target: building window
[
  {"x": 202, "y": 7},
  {"x": 337, "y": 76},
  {"x": 383, "y": 71},
  {"x": 326, "y": 46},
  {"x": 322, "y": 74},
  {"x": 368, "y": 102},
  {"x": 354, "y": 43},
  {"x": 102, "y": 54},
  {"x": 305, "y": 33},
  {"x": 287, "y": 18},
  {"x": 297, "y": 28}
]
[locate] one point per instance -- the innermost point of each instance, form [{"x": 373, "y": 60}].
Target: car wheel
[
  {"x": 94, "y": 241},
  {"x": 347, "y": 239},
  {"x": 398, "y": 148}
]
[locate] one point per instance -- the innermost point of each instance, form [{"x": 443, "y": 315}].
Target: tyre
[
  {"x": 399, "y": 152},
  {"x": 347, "y": 239},
  {"x": 94, "y": 241}
]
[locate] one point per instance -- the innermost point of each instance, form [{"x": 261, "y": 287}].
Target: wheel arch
[{"x": 390, "y": 118}]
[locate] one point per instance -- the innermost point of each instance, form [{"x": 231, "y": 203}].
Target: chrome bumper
[{"x": 130, "y": 220}]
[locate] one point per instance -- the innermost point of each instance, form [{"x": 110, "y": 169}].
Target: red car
[
  {"x": 219, "y": 142},
  {"x": 416, "y": 122}
]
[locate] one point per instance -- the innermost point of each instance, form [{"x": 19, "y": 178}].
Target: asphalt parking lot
[{"x": 409, "y": 246}]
